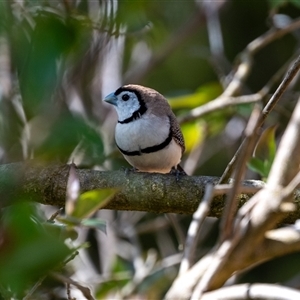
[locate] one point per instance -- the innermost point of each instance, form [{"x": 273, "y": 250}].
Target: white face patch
[{"x": 127, "y": 104}]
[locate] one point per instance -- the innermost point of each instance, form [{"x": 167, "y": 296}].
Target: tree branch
[{"x": 157, "y": 193}]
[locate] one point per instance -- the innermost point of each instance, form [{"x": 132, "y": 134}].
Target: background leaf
[
  {"x": 28, "y": 250},
  {"x": 91, "y": 201}
]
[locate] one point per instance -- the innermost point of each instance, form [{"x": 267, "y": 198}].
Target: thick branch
[{"x": 137, "y": 191}]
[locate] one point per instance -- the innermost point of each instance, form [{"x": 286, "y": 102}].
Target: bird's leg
[
  {"x": 128, "y": 170},
  {"x": 178, "y": 171}
]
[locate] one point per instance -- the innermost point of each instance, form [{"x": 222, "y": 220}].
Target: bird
[{"x": 147, "y": 132}]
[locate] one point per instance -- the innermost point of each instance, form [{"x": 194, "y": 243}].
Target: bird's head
[{"x": 128, "y": 102}]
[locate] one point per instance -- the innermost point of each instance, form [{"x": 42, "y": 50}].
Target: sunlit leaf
[
  {"x": 193, "y": 134},
  {"x": 257, "y": 165},
  {"x": 202, "y": 95},
  {"x": 91, "y": 201},
  {"x": 262, "y": 167},
  {"x": 266, "y": 146}
]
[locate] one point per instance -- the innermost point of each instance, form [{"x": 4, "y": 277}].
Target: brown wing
[{"x": 176, "y": 131}]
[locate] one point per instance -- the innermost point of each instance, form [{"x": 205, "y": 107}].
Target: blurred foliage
[
  {"x": 28, "y": 250},
  {"x": 57, "y": 59}
]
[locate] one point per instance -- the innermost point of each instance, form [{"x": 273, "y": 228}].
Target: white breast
[{"x": 145, "y": 132}]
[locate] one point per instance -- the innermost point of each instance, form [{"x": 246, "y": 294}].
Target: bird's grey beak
[{"x": 111, "y": 98}]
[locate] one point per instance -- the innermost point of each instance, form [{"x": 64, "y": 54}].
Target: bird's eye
[{"x": 125, "y": 97}]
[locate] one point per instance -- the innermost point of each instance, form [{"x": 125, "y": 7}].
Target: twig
[
  {"x": 254, "y": 221},
  {"x": 227, "y": 99},
  {"x": 219, "y": 103},
  {"x": 290, "y": 188},
  {"x": 222, "y": 101},
  {"x": 194, "y": 229},
  {"x": 252, "y": 48},
  {"x": 282, "y": 241},
  {"x": 84, "y": 290},
  {"x": 222, "y": 189},
  {"x": 220, "y": 258},
  {"x": 33, "y": 289},
  {"x": 253, "y": 291},
  {"x": 287, "y": 159},
  {"x": 264, "y": 210},
  {"x": 55, "y": 214},
  {"x": 180, "y": 235},
  {"x": 231, "y": 199},
  {"x": 267, "y": 109}
]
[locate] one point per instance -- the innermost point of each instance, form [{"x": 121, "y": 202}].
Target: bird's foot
[
  {"x": 128, "y": 170},
  {"x": 178, "y": 172}
]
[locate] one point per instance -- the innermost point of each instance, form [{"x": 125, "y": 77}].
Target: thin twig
[
  {"x": 219, "y": 103},
  {"x": 227, "y": 99},
  {"x": 55, "y": 214},
  {"x": 84, "y": 290},
  {"x": 222, "y": 101},
  {"x": 194, "y": 229},
  {"x": 222, "y": 189},
  {"x": 290, "y": 188},
  {"x": 220, "y": 258},
  {"x": 292, "y": 72},
  {"x": 287, "y": 159},
  {"x": 264, "y": 210},
  {"x": 267, "y": 109},
  {"x": 34, "y": 288},
  {"x": 253, "y": 291},
  {"x": 68, "y": 286},
  {"x": 231, "y": 203},
  {"x": 252, "y": 48},
  {"x": 177, "y": 229}
]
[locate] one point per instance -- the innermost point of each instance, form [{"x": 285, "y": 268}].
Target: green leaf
[
  {"x": 73, "y": 221},
  {"x": 258, "y": 166},
  {"x": 95, "y": 223},
  {"x": 201, "y": 96},
  {"x": 69, "y": 220},
  {"x": 193, "y": 134},
  {"x": 91, "y": 201},
  {"x": 266, "y": 146},
  {"x": 27, "y": 249},
  {"x": 42, "y": 46}
]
